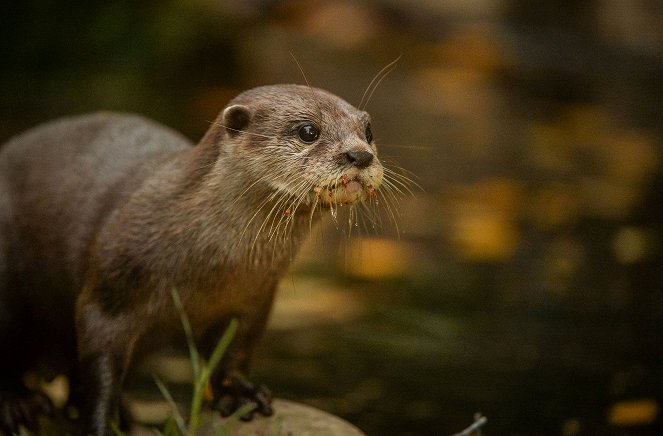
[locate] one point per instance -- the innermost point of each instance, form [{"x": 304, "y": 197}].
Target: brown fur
[{"x": 102, "y": 215}]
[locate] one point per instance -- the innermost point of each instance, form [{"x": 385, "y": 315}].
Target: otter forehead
[{"x": 299, "y": 102}]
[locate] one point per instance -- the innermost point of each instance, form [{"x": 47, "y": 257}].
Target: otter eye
[
  {"x": 368, "y": 133},
  {"x": 308, "y": 133}
]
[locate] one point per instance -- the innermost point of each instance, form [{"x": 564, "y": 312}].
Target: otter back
[{"x": 63, "y": 178}]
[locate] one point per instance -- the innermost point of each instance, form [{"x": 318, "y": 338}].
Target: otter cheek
[{"x": 375, "y": 178}]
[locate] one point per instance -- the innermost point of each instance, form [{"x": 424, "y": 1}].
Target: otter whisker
[
  {"x": 266, "y": 176},
  {"x": 376, "y": 80},
  {"x": 260, "y": 229},
  {"x": 308, "y": 84},
  {"x": 352, "y": 219},
  {"x": 395, "y": 185},
  {"x": 272, "y": 216},
  {"x": 286, "y": 216},
  {"x": 333, "y": 202},
  {"x": 310, "y": 218},
  {"x": 371, "y": 214},
  {"x": 301, "y": 70},
  {"x": 408, "y": 147},
  {"x": 280, "y": 201},
  {"x": 390, "y": 197},
  {"x": 257, "y": 181},
  {"x": 399, "y": 171},
  {"x": 255, "y": 214},
  {"x": 282, "y": 169},
  {"x": 392, "y": 218},
  {"x": 278, "y": 211},
  {"x": 393, "y": 165},
  {"x": 402, "y": 180},
  {"x": 285, "y": 225}
]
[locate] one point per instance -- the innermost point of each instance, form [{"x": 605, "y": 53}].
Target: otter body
[{"x": 103, "y": 215}]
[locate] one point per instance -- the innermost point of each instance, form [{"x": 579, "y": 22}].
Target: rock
[{"x": 289, "y": 419}]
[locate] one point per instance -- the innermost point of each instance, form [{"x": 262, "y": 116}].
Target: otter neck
[{"x": 230, "y": 221}]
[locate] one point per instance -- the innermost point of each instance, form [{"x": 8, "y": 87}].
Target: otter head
[{"x": 306, "y": 144}]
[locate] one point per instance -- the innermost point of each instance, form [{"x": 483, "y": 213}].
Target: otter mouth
[{"x": 346, "y": 190}]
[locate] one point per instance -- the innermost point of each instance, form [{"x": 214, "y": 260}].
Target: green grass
[{"x": 176, "y": 424}]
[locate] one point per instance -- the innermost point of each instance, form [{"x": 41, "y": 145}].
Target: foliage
[{"x": 176, "y": 425}]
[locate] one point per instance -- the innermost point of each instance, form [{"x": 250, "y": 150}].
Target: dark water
[{"x": 425, "y": 369}]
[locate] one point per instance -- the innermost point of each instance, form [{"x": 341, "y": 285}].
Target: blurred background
[{"x": 525, "y": 279}]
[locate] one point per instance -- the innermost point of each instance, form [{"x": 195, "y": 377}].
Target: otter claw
[{"x": 236, "y": 391}]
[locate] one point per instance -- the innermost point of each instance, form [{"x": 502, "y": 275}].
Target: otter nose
[{"x": 360, "y": 159}]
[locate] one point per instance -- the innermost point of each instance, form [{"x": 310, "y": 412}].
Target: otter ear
[{"x": 236, "y": 118}]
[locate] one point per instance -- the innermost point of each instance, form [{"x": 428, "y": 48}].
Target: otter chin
[{"x": 348, "y": 190}]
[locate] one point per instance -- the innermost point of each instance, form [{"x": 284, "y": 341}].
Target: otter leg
[
  {"x": 105, "y": 348},
  {"x": 230, "y": 386},
  {"x": 233, "y": 390},
  {"x": 101, "y": 382}
]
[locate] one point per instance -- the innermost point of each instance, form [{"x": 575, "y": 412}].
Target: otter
[{"x": 103, "y": 215}]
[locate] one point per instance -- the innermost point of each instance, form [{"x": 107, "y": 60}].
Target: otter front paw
[
  {"x": 22, "y": 409},
  {"x": 234, "y": 391}
]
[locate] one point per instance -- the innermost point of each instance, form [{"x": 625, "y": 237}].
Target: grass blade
[
  {"x": 186, "y": 325},
  {"x": 171, "y": 402},
  {"x": 206, "y": 374}
]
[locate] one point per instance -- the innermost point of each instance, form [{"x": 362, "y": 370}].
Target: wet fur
[{"x": 102, "y": 215}]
